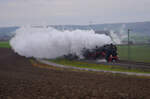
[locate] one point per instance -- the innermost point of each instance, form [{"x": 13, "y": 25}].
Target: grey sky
[{"x": 37, "y": 12}]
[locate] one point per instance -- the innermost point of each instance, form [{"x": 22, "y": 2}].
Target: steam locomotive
[{"x": 108, "y": 52}]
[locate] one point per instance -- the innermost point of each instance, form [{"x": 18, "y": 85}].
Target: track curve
[{"x": 87, "y": 69}]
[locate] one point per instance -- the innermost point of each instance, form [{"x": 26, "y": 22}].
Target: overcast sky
[{"x": 37, "y": 12}]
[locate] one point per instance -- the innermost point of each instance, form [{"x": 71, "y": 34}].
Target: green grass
[
  {"x": 96, "y": 66},
  {"x": 4, "y": 44},
  {"x": 139, "y": 53}
]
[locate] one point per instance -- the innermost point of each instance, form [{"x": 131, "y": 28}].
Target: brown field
[{"x": 20, "y": 80}]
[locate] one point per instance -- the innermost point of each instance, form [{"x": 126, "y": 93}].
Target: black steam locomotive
[{"x": 108, "y": 52}]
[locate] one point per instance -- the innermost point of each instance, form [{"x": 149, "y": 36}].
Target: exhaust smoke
[{"x": 51, "y": 43}]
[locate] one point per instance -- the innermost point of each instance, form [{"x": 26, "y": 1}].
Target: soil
[{"x": 20, "y": 80}]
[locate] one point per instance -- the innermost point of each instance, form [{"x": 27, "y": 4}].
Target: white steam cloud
[{"x": 52, "y": 43}]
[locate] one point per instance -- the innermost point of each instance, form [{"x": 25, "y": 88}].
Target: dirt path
[
  {"x": 20, "y": 80},
  {"x": 95, "y": 70}
]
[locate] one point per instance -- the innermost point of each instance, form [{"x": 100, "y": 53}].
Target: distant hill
[
  {"x": 138, "y": 28},
  {"x": 7, "y": 32}
]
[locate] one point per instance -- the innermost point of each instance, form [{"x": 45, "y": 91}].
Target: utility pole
[{"x": 129, "y": 44}]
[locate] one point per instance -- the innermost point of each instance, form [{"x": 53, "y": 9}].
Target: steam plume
[{"x": 52, "y": 43}]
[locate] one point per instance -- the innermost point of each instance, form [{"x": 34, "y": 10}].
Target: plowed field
[{"x": 20, "y": 80}]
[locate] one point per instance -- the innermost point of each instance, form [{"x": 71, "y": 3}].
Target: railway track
[
  {"x": 123, "y": 63},
  {"x": 87, "y": 69}
]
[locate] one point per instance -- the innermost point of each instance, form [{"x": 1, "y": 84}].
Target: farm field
[
  {"x": 19, "y": 79},
  {"x": 4, "y": 44},
  {"x": 138, "y": 53}
]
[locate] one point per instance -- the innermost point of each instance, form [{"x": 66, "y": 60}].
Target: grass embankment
[
  {"x": 138, "y": 53},
  {"x": 96, "y": 66},
  {"x": 4, "y": 44}
]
